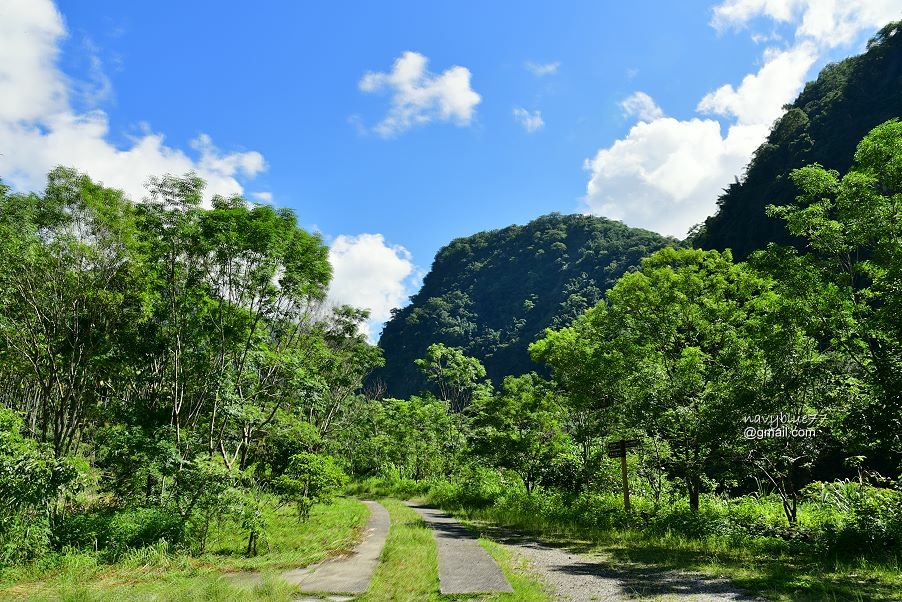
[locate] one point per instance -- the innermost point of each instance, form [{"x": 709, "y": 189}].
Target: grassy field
[
  {"x": 409, "y": 568},
  {"x": 153, "y": 574}
]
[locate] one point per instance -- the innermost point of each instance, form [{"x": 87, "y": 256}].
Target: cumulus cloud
[
  {"x": 542, "y": 69},
  {"x": 666, "y": 174},
  {"x": 40, "y": 128},
  {"x": 641, "y": 106},
  {"x": 828, "y": 23},
  {"x": 369, "y": 273},
  {"x": 419, "y": 96},
  {"x": 531, "y": 122},
  {"x": 759, "y": 99}
]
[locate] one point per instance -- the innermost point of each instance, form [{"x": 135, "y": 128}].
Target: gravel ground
[{"x": 578, "y": 577}]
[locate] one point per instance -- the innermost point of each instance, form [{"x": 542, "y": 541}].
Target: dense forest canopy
[
  {"x": 823, "y": 125},
  {"x": 495, "y": 292}
]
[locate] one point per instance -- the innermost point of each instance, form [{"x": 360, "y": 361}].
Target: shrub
[
  {"x": 113, "y": 532},
  {"x": 858, "y": 518},
  {"x": 309, "y": 479},
  {"x": 31, "y": 480},
  {"x": 476, "y": 488}
]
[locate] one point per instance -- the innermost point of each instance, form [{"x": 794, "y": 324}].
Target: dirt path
[{"x": 580, "y": 577}]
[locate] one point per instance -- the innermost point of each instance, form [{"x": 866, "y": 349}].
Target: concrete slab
[
  {"x": 464, "y": 567},
  {"x": 349, "y": 574}
]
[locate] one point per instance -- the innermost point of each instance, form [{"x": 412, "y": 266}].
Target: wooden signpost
[{"x": 617, "y": 449}]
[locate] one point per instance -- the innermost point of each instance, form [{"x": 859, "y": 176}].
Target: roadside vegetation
[
  {"x": 171, "y": 380},
  {"x": 178, "y": 401},
  {"x": 161, "y": 571},
  {"x": 765, "y": 398}
]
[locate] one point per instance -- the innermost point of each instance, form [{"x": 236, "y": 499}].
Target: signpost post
[{"x": 617, "y": 449}]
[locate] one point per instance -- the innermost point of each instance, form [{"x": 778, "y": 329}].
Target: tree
[
  {"x": 71, "y": 294},
  {"x": 188, "y": 351},
  {"x": 677, "y": 350},
  {"x": 521, "y": 428},
  {"x": 309, "y": 479},
  {"x": 853, "y": 227},
  {"x": 31, "y": 479},
  {"x": 588, "y": 364},
  {"x": 459, "y": 378}
]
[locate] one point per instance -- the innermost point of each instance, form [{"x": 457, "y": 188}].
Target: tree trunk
[{"x": 694, "y": 488}]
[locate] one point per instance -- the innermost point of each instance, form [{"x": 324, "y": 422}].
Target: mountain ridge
[{"x": 492, "y": 293}]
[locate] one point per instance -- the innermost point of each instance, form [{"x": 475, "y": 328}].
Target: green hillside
[
  {"x": 494, "y": 292},
  {"x": 823, "y": 125}
]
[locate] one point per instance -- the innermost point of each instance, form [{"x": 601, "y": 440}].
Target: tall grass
[{"x": 162, "y": 572}]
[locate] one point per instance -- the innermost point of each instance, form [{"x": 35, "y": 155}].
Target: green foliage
[
  {"x": 31, "y": 481},
  {"x": 852, "y": 226},
  {"x": 824, "y": 125},
  {"x": 413, "y": 439},
  {"x": 857, "y": 518},
  {"x": 493, "y": 293},
  {"x": 286, "y": 437},
  {"x": 114, "y": 532},
  {"x": 680, "y": 352},
  {"x": 184, "y": 355},
  {"x": 521, "y": 429},
  {"x": 309, "y": 479},
  {"x": 459, "y": 378},
  {"x": 135, "y": 464}
]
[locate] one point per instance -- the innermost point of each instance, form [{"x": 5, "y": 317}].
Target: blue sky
[{"x": 394, "y": 127}]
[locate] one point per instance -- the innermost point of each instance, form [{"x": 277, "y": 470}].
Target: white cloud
[
  {"x": 759, "y": 99},
  {"x": 530, "y": 121},
  {"x": 737, "y": 13},
  {"x": 371, "y": 274},
  {"x": 827, "y": 23},
  {"x": 30, "y": 86},
  {"x": 542, "y": 69},
  {"x": 98, "y": 87},
  {"x": 419, "y": 96},
  {"x": 39, "y": 128},
  {"x": 641, "y": 106},
  {"x": 666, "y": 174},
  {"x": 262, "y": 197}
]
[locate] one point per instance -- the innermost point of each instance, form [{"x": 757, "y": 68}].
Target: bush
[
  {"x": 857, "y": 518},
  {"x": 309, "y": 479},
  {"x": 113, "y": 532},
  {"x": 31, "y": 481},
  {"x": 404, "y": 489},
  {"x": 476, "y": 488}
]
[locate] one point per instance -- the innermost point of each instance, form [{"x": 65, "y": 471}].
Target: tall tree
[
  {"x": 521, "y": 428},
  {"x": 680, "y": 349},
  {"x": 71, "y": 293},
  {"x": 853, "y": 228},
  {"x": 459, "y": 378}
]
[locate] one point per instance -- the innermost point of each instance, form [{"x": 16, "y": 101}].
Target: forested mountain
[
  {"x": 495, "y": 292},
  {"x": 823, "y": 125}
]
